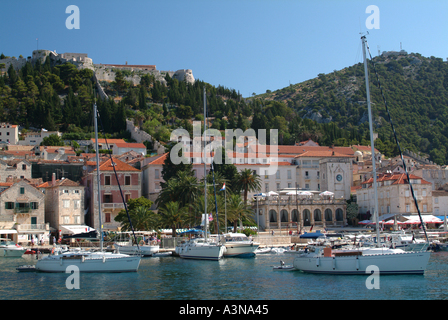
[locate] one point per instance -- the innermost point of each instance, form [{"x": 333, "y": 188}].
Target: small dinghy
[
  {"x": 27, "y": 268},
  {"x": 262, "y": 250},
  {"x": 283, "y": 267}
]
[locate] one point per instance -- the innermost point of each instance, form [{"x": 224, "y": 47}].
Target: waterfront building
[
  {"x": 64, "y": 204},
  {"x": 111, "y": 198},
  {"x": 294, "y": 212},
  {"x": 394, "y": 196},
  {"x": 22, "y": 212}
]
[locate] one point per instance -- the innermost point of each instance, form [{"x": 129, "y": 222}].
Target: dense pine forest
[{"x": 330, "y": 109}]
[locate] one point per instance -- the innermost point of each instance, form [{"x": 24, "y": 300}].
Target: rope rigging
[
  {"x": 396, "y": 140},
  {"x": 118, "y": 182}
]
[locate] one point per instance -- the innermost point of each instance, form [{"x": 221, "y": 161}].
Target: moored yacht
[
  {"x": 9, "y": 248},
  {"x": 88, "y": 261},
  {"x": 355, "y": 261},
  {"x": 239, "y": 245},
  {"x": 201, "y": 248}
]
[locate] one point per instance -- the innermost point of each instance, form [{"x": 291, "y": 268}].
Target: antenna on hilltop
[
  {"x": 401, "y": 46},
  {"x": 379, "y": 51}
]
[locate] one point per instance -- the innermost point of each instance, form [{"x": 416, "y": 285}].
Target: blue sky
[{"x": 247, "y": 45}]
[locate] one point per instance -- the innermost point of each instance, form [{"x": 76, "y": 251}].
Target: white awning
[
  {"x": 8, "y": 231},
  {"x": 427, "y": 218},
  {"x": 75, "y": 229}
]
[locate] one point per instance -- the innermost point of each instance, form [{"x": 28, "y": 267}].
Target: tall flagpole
[{"x": 225, "y": 208}]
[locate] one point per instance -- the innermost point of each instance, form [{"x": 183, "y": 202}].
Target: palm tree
[
  {"x": 144, "y": 219},
  {"x": 183, "y": 188},
  {"x": 237, "y": 210},
  {"x": 246, "y": 181},
  {"x": 173, "y": 216}
]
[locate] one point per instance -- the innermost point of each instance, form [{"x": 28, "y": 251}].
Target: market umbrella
[{"x": 326, "y": 193}]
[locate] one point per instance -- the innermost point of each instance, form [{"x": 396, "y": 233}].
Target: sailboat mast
[
  {"x": 205, "y": 168},
  {"x": 369, "y": 109},
  {"x": 98, "y": 174}
]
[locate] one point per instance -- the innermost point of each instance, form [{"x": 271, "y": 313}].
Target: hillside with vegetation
[
  {"x": 416, "y": 92},
  {"x": 330, "y": 109}
]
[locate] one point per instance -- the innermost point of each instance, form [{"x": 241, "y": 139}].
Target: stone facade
[
  {"x": 289, "y": 212},
  {"x": 64, "y": 202},
  {"x": 394, "y": 196},
  {"x": 14, "y": 169},
  {"x": 22, "y": 207},
  {"x": 111, "y": 199}
]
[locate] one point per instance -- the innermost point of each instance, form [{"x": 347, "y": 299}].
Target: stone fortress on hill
[{"x": 103, "y": 72}]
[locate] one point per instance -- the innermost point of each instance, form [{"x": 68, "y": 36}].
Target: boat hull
[
  {"x": 212, "y": 252},
  {"x": 240, "y": 249},
  {"x": 146, "y": 251},
  {"x": 389, "y": 263},
  {"x": 98, "y": 263},
  {"x": 6, "y": 252}
]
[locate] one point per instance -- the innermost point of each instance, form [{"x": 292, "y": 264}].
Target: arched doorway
[{"x": 306, "y": 218}]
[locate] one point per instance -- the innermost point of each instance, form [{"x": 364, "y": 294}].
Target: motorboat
[
  {"x": 201, "y": 248},
  {"x": 9, "y": 248},
  {"x": 239, "y": 245},
  {"x": 89, "y": 261}
]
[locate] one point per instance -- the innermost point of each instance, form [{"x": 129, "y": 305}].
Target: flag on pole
[
  {"x": 223, "y": 187},
  {"x": 210, "y": 217}
]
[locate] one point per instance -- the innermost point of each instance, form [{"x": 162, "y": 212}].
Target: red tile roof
[
  {"x": 130, "y": 145},
  {"x": 119, "y": 166},
  {"x": 400, "y": 178},
  {"x": 324, "y": 154},
  {"x": 302, "y": 149},
  {"x": 160, "y": 160}
]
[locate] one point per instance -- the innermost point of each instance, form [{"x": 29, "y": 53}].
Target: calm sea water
[{"x": 171, "y": 278}]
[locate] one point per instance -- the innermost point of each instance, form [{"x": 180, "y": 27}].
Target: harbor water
[{"x": 173, "y": 278}]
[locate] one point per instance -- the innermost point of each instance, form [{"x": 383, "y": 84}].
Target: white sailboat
[
  {"x": 205, "y": 248},
  {"x": 89, "y": 261},
  {"x": 356, "y": 261}
]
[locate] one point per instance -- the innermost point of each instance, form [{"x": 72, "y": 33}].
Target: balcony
[
  {"x": 30, "y": 228},
  {"x": 22, "y": 210},
  {"x": 112, "y": 205}
]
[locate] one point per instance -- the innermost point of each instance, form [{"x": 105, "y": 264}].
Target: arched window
[
  {"x": 284, "y": 215},
  {"x": 295, "y": 215},
  {"x": 317, "y": 215},
  {"x": 328, "y": 215},
  {"x": 272, "y": 216},
  {"x": 306, "y": 217},
  {"x": 339, "y": 215}
]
